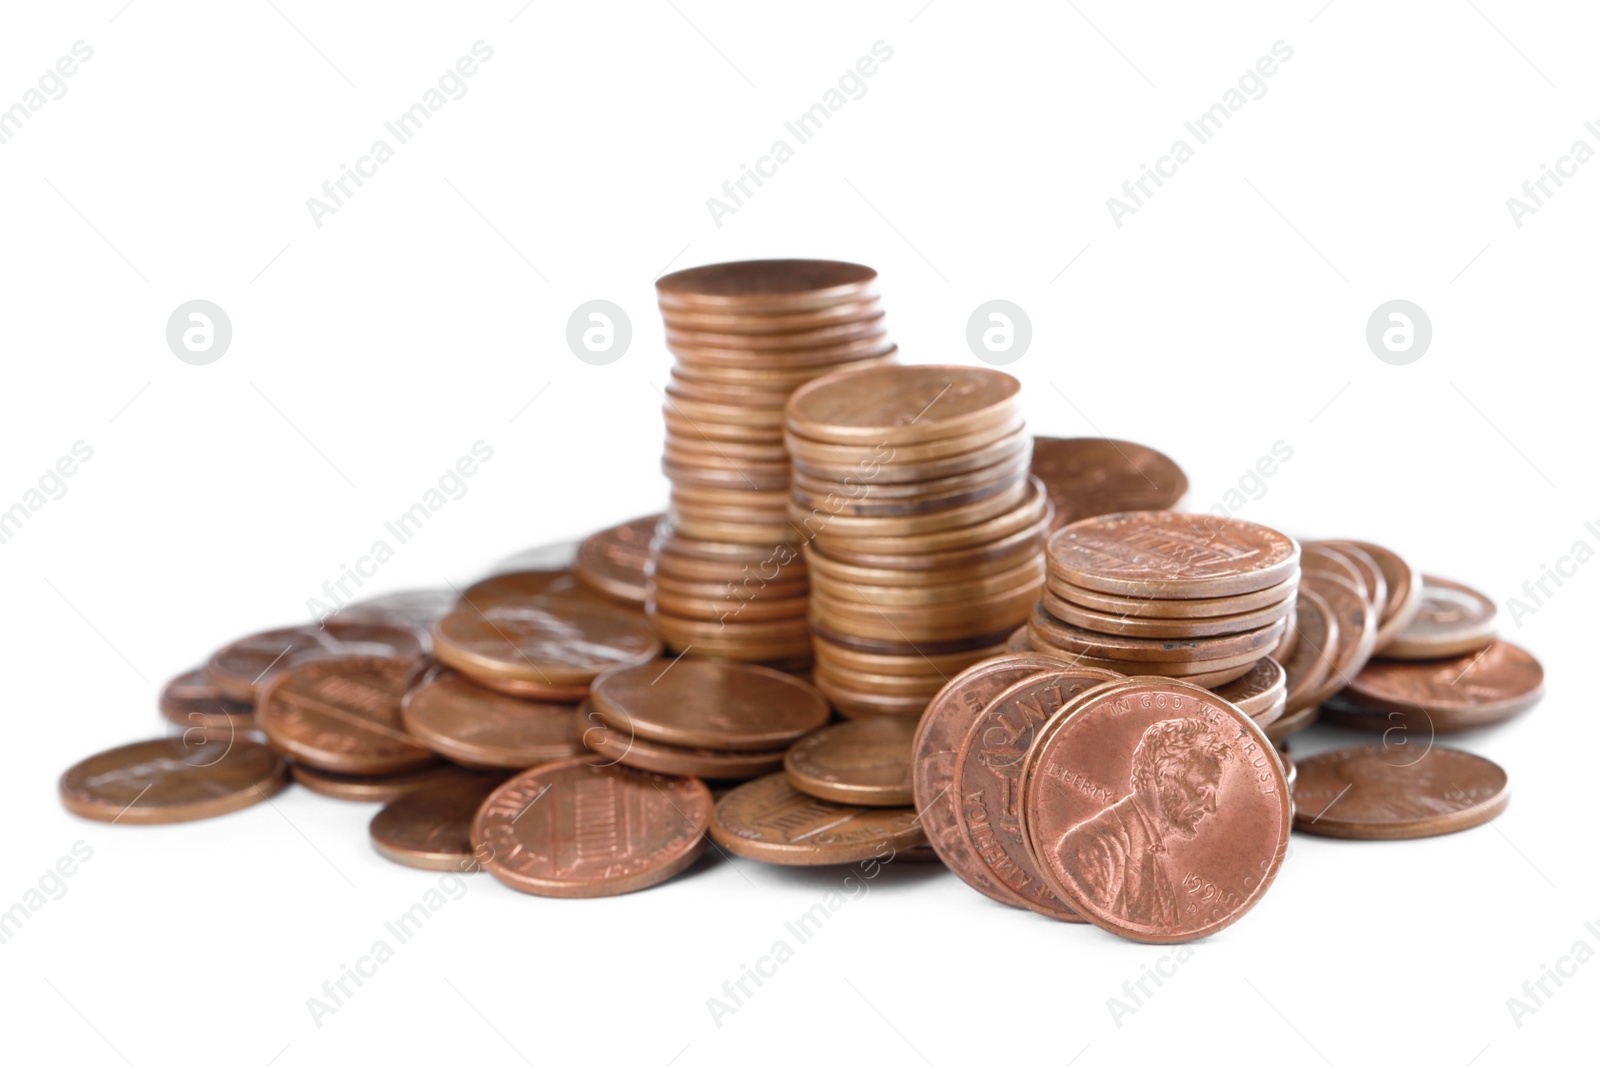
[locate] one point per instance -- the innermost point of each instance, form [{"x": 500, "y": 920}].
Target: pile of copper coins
[
  {"x": 878, "y": 623},
  {"x": 728, "y": 578},
  {"x": 923, "y": 527}
]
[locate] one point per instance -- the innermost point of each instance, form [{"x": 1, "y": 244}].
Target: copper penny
[
  {"x": 867, "y": 761},
  {"x": 1157, "y": 811},
  {"x": 431, "y": 827},
  {"x": 193, "y": 702},
  {"x": 736, "y": 322},
  {"x": 1259, "y": 640},
  {"x": 1133, "y": 626},
  {"x": 1135, "y": 607},
  {"x": 1323, "y": 559},
  {"x": 614, "y": 560},
  {"x": 1293, "y": 721},
  {"x": 521, "y": 585},
  {"x": 373, "y": 789},
  {"x": 478, "y": 727},
  {"x": 1404, "y": 586},
  {"x": 1366, "y": 792},
  {"x": 243, "y": 669},
  {"x": 620, "y": 746},
  {"x": 903, "y": 405},
  {"x": 988, "y": 771},
  {"x": 777, "y": 286},
  {"x": 1451, "y": 619},
  {"x": 1172, "y": 556},
  {"x": 342, "y": 713},
  {"x": 703, "y": 703},
  {"x": 1357, "y": 631},
  {"x": 866, "y": 704},
  {"x": 1257, "y": 692},
  {"x": 579, "y": 829},
  {"x": 1312, "y": 659},
  {"x": 771, "y": 821},
  {"x": 409, "y": 609},
  {"x": 172, "y": 779},
  {"x": 1458, "y": 693},
  {"x": 939, "y": 736},
  {"x": 1373, "y": 581},
  {"x": 550, "y": 641},
  {"x": 1089, "y": 476}
]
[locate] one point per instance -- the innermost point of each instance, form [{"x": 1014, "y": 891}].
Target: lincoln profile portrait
[{"x": 1120, "y": 855}]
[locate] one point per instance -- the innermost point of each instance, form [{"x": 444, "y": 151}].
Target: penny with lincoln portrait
[{"x": 1156, "y": 810}]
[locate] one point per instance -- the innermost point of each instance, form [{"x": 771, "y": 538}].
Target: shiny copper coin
[
  {"x": 879, "y": 472},
  {"x": 1458, "y": 693},
  {"x": 960, "y": 565},
  {"x": 1158, "y": 628},
  {"x": 771, "y": 821},
  {"x": 342, "y": 713},
  {"x": 243, "y": 669},
  {"x": 732, "y": 321},
  {"x": 903, "y": 405},
  {"x": 172, "y": 779},
  {"x": 1139, "y": 607},
  {"x": 1357, "y": 631},
  {"x": 479, "y": 727},
  {"x": 784, "y": 378},
  {"x": 374, "y": 789},
  {"x": 578, "y": 829},
  {"x": 193, "y": 702},
  {"x": 408, "y": 609},
  {"x": 987, "y": 506},
  {"x": 1404, "y": 587},
  {"x": 1452, "y": 619},
  {"x": 622, "y": 746},
  {"x": 551, "y": 641},
  {"x": 939, "y": 735},
  {"x": 1367, "y": 792},
  {"x": 1157, "y": 811},
  {"x": 1325, "y": 559},
  {"x": 613, "y": 561},
  {"x": 1373, "y": 580},
  {"x": 1216, "y": 651},
  {"x": 1291, "y": 636},
  {"x": 698, "y": 703},
  {"x": 935, "y": 594},
  {"x": 763, "y": 344},
  {"x": 816, "y": 454},
  {"x": 1089, "y": 476},
  {"x": 829, "y": 356},
  {"x": 867, "y": 761},
  {"x": 520, "y": 585},
  {"x": 431, "y": 827},
  {"x": 1172, "y": 556},
  {"x": 1315, "y": 647},
  {"x": 988, "y": 772},
  {"x": 910, "y": 663},
  {"x": 776, "y": 286},
  {"x": 865, "y": 703},
  {"x": 1255, "y": 693}
]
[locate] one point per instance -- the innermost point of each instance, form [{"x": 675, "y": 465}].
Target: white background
[{"x": 1226, "y": 315}]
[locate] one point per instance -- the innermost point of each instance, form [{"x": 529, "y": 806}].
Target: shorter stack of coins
[
  {"x": 1195, "y": 597},
  {"x": 923, "y": 527},
  {"x": 728, "y": 580}
]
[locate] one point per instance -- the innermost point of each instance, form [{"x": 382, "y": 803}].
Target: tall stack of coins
[
  {"x": 1162, "y": 593},
  {"x": 923, "y": 527},
  {"x": 728, "y": 579}
]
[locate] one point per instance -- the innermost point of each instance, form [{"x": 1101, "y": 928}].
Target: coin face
[
  {"x": 707, "y": 703},
  {"x": 1172, "y": 556},
  {"x": 577, "y": 829},
  {"x": 479, "y": 727},
  {"x": 614, "y": 561},
  {"x": 545, "y": 640},
  {"x": 1451, "y": 619},
  {"x": 988, "y": 773},
  {"x": 342, "y": 714},
  {"x": 1157, "y": 811},
  {"x": 903, "y": 405},
  {"x": 194, "y": 702},
  {"x": 172, "y": 779},
  {"x": 771, "y": 821},
  {"x": 866, "y": 761},
  {"x": 1464, "y": 691},
  {"x": 1366, "y": 792},
  {"x": 611, "y": 745},
  {"x": 242, "y": 669},
  {"x": 1089, "y": 476},
  {"x": 431, "y": 827}
]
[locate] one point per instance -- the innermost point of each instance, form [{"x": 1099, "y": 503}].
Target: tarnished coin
[
  {"x": 706, "y": 703},
  {"x": 866, "y": 761},
  {"x": 1155, "y": 810},
  {"x": 342, "y": 713},
  {"x": 1459, "y": 693},
  {"x": 374, "y": 788},
  {"x": 194, "y": 702},
  {"x": 771, "y": 821},
  {"x": 1089, "y": 476},
  {"x": 1366, "y": 792},
  {"x": 579, "y": 829},
  {"x": 889, "y": 406},
  {"x": 1356, "y": 633},
  {"x": 243, "y": 669},
  {"x": 543, "y": 640},
  {"x": 172, "y": 779},
  {"x": 776, "y": 286},
  {"x": 988, "y": 772},
  {"x": 479, "y": 727},
  {"x": 431, "y": 827},
  {"x": 1451, "y": 620},
  {"x": 1257, "y": 692},
  {"x": 1172, "y": 556},
  {"x": 614, "y": 560},
  {"x": 611, "y": 745}
]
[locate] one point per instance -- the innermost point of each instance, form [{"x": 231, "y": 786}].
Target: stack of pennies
[
  {"x": 1197, "y": 597},
  {"x": 727, "y": 578},
  {"x": 922, "y": 523}
]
